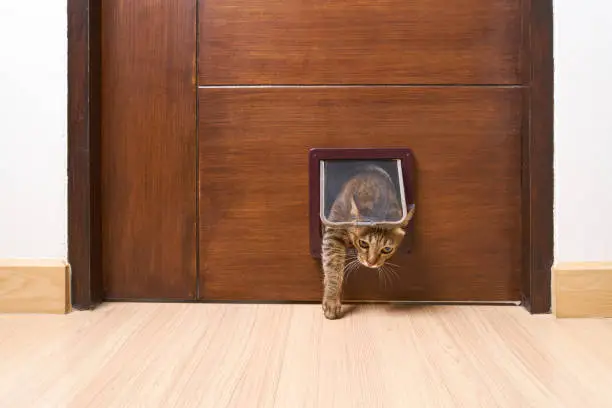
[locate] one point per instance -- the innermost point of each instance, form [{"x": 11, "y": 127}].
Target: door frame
[{"x": 84, "y": 129}]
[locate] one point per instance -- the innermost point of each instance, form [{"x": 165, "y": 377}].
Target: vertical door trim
[
  {"x": 538, "y": 144},
  {"x": 84, "y": 223}
]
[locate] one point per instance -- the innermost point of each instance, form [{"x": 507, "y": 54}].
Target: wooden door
[
  {"x": 205, "y": 142},
  {"x": 277, "y": 78}
]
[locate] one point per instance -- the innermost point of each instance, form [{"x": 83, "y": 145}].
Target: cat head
[{"x": 375, "y": 245}]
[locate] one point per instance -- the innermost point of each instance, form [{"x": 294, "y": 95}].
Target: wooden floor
[{"x": 196, "y": 355}]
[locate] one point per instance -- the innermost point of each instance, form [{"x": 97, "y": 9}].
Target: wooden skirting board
[
  {"x": 34, "y": 286},
  {"x": 582, "y": 289}
]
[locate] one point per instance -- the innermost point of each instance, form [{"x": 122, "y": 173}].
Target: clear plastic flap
[{"x": 363, "y": 193}]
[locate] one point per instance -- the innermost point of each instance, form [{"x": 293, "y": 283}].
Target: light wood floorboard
[{"x": 212, "y": 355}]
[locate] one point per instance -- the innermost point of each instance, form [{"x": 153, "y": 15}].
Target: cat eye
[
  {"x": 363, "y": 244},
  {"x": 386, "y": 250}
]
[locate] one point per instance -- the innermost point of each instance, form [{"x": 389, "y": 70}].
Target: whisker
[
  {"x": 350, "y": 267},
  {"x": 353, "y": 262},
  {"x": 388, "y": 277},
  {"x": 379, "y": 277},
  {"x": 394, "y": 274},
  {"x": 389, "y": 274},
  {"x": 389, "y": 269},
  {"x": 383, "y": 275},
  {"x": 348, "y": 270}
]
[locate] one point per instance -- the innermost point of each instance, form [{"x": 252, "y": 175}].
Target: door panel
[
  {"x": 254, "y": 188},
  {"x": 148, "y": 149},
  {"x": 359, "y": 42}
]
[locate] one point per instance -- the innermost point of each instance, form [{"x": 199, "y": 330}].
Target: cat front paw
[{"x": 332, "y": 309}]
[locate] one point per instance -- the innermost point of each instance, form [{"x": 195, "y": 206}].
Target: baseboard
[
  {"x": 34, "y": 286},
  {"x": 582, "y": 289}
]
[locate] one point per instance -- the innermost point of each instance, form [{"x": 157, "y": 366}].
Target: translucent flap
[{"x": 362, "y": 192}]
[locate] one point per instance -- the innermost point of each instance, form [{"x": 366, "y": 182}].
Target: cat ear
[
  {"x": 399, "y": 231},
  {"x": 354, "y": 209},
  {"x": 409, "y": 215}
]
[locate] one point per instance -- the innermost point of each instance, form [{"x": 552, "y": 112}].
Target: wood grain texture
[
  {"x": 360, "y": 42},
  {"x": 254, "y": 188},
  {"x": 582, "y": 289},
  {"x": 149, "y": 149},
  {"x": 84, "y": 87},
  {"x": 34, "y": 286},
  {"x": 538, "y": 167},
  {"x": 289, "y": 356}
]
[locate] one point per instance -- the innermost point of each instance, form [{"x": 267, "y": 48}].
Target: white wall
[
  {"x": 583, "y": 130},
  {"x": 33, "y": 129},
  {"x": 33, "y": 92}
]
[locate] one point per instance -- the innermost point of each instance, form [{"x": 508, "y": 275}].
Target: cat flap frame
[{"x": 404, "y": 178}]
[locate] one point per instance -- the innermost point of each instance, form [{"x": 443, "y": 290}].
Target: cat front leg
[{"x": 333, "y": 258}]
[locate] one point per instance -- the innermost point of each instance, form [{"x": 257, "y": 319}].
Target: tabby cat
[{"x": 370, "y": 194}]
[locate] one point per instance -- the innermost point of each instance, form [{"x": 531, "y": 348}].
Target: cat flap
[{"x": 363, "y": 192}]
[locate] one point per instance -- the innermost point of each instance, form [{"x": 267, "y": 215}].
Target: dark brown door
[
  {"x": 274, "y": 79},
  {"x": 148, "y": 149}
]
